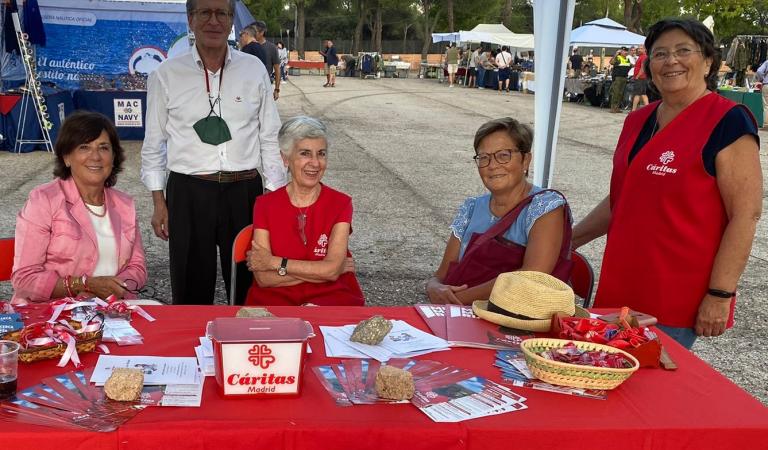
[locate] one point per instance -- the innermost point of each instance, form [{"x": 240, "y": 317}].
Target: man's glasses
[
  {"x": 681, "y": 54},
  {"x": 206, "y": 14},
  {"x": 502, "y": 157}
]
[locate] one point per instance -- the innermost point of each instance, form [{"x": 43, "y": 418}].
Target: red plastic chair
[
  {"x": 582, "y": 278},
  {"x": 6, "y": 258},
  {"x": 239, "y": 249}
]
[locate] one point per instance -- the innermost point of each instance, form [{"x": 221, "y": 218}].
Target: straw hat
[{"x": 527, "y": 301}]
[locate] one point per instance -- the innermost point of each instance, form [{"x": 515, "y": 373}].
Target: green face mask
[{"x": 212, "y": 129}]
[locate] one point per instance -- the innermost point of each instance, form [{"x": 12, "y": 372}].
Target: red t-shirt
[
  {"x": 639, "y": 69},
  {"x": 275, "y": 213}
]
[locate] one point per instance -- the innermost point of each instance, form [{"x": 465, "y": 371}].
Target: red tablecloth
[
  {"x": 692, "y": 408},
  {"x": 306, "y": 64}
]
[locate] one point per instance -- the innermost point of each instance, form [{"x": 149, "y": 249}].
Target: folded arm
[{"x": 265, "y": 265}]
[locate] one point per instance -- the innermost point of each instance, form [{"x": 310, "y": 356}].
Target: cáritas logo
[{"x": 261, "y": 356}]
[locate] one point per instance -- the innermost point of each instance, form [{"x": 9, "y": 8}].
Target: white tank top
[{"x": 106, "y": 265}]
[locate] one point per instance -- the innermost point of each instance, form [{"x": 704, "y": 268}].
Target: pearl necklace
[{"x": 94, "y": 212}]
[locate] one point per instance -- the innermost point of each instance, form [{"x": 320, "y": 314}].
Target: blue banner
[{"x": 108, "y": 38}]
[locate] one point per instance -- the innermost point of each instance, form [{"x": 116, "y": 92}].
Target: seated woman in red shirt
[{"x": 301, "y": 231}]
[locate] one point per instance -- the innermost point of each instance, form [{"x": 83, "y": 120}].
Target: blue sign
[{"x": 108, "y": 38}]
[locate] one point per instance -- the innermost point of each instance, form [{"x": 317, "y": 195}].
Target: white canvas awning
[{"x": 492, "y": 33}]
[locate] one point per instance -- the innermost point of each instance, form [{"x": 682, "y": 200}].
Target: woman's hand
[
  {"x": 259, "y": 258},
  {"x": 443, "y": 294},
  {"x": 712, "y": 317},
  {"x": 103, "y": 287},
  {"x": 349, "y": 265}
]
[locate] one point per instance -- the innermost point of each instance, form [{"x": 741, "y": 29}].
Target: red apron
[{"x": 667, "y": 217}]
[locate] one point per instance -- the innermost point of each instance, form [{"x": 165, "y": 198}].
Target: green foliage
[{"x": 336, "y": 18}]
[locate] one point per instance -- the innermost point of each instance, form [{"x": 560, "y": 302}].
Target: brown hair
[
  {"x": 82, "y": 127},
  {"x": 520, "y": 133}
]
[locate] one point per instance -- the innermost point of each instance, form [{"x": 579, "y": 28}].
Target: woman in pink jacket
[{"x": 77, "y": 234}]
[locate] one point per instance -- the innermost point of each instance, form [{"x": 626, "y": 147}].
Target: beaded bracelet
[{"x": 68, "y": 285}]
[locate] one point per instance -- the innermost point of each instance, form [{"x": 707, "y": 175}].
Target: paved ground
[{"x": 402, "y": 149}]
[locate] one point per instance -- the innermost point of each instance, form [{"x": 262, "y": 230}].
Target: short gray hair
[
  {"x": 298, "y": 128},
  {"x": 250, "y": 31},
  {"x": 192, "y": 5},
  {"x": 259, "y": 26}
]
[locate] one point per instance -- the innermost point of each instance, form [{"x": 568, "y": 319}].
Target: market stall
[
  {"x": 692, "y": 407},
  {"x": 752, "y": 100},
  {"x": 59, "y": 104}
]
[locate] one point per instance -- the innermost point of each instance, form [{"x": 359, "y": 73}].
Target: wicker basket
[
  {"x": 85, "y": 342},
  {"x": 574, "y": 375}
]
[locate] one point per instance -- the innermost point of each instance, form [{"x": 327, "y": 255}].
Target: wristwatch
[{"x": 282, "y": 270}]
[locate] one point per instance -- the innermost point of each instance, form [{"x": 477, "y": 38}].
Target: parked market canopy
[
  {"x": 604, "y": 33},
  {"x": 492, "y": 33}
]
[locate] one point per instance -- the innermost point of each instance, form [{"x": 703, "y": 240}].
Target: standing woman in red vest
[{"x": 686, "y": 193}]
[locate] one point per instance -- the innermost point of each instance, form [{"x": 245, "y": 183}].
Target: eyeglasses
[
  {"x": 681, "y": 54},
  {"x": 206, "y": 14},
  {"x": 502, "y": 157},
  {"x": 147, "y": 292}
]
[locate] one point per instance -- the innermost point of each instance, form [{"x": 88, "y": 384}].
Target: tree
[
  {"x": 449, "y": 13},
  {"x": 506, "y": 13},
  {"x": 430, "y": 13},
  {"x": 357, "y": 40},
  {"x": 405, "y": 36},
  {"x": 300, "y": 27},
  {"x": 377, "y": 27},
  {"x": 633, "y": 13}
]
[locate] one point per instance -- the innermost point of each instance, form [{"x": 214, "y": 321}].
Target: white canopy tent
[
  {"x": 604, "y": 33},
  {"x": 493, "y": 33}
]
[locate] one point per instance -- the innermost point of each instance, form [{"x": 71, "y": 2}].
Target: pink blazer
[{"x": 55, "y": 238}]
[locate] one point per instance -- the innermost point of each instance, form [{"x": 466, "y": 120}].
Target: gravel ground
[{"x": 402, "y": 149}]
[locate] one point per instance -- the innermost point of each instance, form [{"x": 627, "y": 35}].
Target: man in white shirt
[
  {"x": 762, "y": 77},
  {"x": 503, "y": 61},
  {"x": 213, "y": 123},
  {"x": 632, "y": 61}
]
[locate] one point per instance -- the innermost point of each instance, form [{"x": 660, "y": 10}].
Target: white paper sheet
[
  {"x": 158, "y": 370},
  {"x": 206, "y": 363},
  {"x": 403, "y": 341}
]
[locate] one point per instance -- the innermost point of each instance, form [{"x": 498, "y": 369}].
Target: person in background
[
  {"x": 272, "y": 56},
  {"x": 503, "y": 62},
  {"x": 621, "y": 66},
  {"x": 331, "y": 62},
  {"x": 248, "y": 44},
  {"x": 762, "y": 77},
  {"x": 301, "y": 232},
  {"x": 686, "y": 193},
  {"x": 538, "y": 236},
  {"x": 576, "y": 61},
  {"x": 639, "y": 93},
  {"x": 211, "y": 133},
  {"x": 77, "y": 235},
  {"x": 482, "y": 64},
  {"x": 632, "y": 57},
  {"x": 282, "y": 53},
  {"x": 474, "y": 59},
  {"x": 452, "y": 62}
]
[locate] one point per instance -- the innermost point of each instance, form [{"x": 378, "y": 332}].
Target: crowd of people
[
  {"x": 678, "y": 257},
  {"x": 484, "y": 67}
]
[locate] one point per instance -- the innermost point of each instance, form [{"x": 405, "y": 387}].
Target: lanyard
[{"x": 208, "y": 88}]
